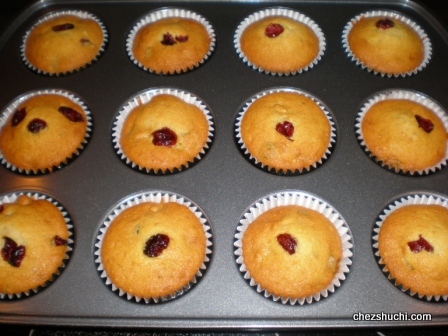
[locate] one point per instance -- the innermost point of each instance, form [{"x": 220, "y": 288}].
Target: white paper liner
[
  {"x": 11, "y": 198},
  {"x": 155, "y": 197},
  {"x": 309, "y": 201},
  {"x": 143, "y": 98},
  {"x": 240, "y": 116},
  {"x": 164, "y": 13},
  {"x": 11, "y": 108},
  {"x": 78, "y": 13},
  {"x": 412, "y": 199},
  {"x": 397, "y": 16},
  {"x": 280, "y": 11},
  {"x": 406, "y": 95}
]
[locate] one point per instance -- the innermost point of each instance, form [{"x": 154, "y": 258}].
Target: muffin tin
[{"x": 223, "y": 183}]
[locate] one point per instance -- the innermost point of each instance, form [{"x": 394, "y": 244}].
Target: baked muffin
[
  {"x": 286, "y": 131},
  {"x": 34, "y": 244},
  {"x": 171, "y": 45},
  {"x": 404, "y": 135},
  {"x": 386, "y": 44},
  {"x": 279, "y": 44},
  {"x": 152, "y": 250},
  {"x": 413, "y": 246},
  {"x": 292, "y": 251},
  {"x": 164, "y": 134},
  {"x": 43, "y": 132},
  {"x": 64, "y": 42}
]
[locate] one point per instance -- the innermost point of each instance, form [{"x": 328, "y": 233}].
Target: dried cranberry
[
  {"x": 71, "y": 114},
  {"x": 58, "y": 241},
  {"x": 156, "y": 244},
  {"x": 288, "y": 242},
  {"x": 18, "y": 116},
  {"x": 36, "y": 125},
  {"x": 286, "y": 128},
  {"x": 17, "y": 256},
  {"x": 64, "y": 26},
  {"x": 384, "y": 24},
  {"x": 164, "y": 137},
  {"x": 425, "y": 124},
  {"x": 12, "y": 253},
  {"x": 182, "y": 38},
  {"x": 168, "y": 39},
  {"x": 273, "y": 30},
  {"x": 1, "y": 208},
  {"x": 420, "y": 244}
]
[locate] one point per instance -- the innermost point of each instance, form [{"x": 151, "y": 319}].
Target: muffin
[
  {"x": 34, "y": 244},
  {"x": 171, "y": 44},
  {"x": 64, "y": 42},
  {"x": 153, "y": 250},
  {"x": 404, "y": 135},
  {"x": 292, "y": 251},
  {"x": 43, "y": 131},
  {"x": 413, "y": 247},
  {"x": 163, "y": 133},
  {"x": 387, "y": 43},
  {"x": 286, "y": 131},
  {"x": 279, "y": 41}
]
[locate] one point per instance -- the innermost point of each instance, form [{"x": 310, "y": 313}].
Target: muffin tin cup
[
  {"x": 11, "y": 108},
  {"x": 155, "y": 197},
  {"x": 422, "y": 198},
  {"x": 406, "y": 95},
  {"x": 309, "y": 201},
  {"x": 11, "y": 198},
  {"x": 144, "y": 97},
  {"x": 52, "y": 15},
  {"x": 397, "y": 16},
  {"x": 163, "y": 13},
  {"x": 280, "y": 11},
  {"x": 272, "y": 170}
]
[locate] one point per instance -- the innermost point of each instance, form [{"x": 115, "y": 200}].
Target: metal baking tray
[{"x": 223, "y": 183}]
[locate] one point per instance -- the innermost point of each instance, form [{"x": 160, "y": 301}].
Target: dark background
[{"x": 8, "y": 11}]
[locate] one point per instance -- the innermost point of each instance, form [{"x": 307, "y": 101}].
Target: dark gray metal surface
[{"x": 223, "y": 183}]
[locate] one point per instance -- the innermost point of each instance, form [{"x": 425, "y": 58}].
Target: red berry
[
  {"x": 425, "y": 124},
  {"x": 168, "y": 39},
  {"x": 58, "y": 241},
  {"x": 156, "y": 244},
  {"x": 12, "y": 253},
  {"x": 182, "y": 38},
  {"x": 273, "y": 30},
  {"x": 384, "y": 24},
  {"x": 18, "y": 116},
  {"x": 288, "y": 242},
  {"x": 64, "y": 26},
  {"x": 36, "y": 125},
  {"x": 71, "y": 114},
  {"x": 420, "y": 244},
  {"x": 164, "y": 137},
  {"x": 286, "y": 128}
]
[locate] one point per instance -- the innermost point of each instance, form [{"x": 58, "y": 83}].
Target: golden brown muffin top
[
  {"x": 314, "y": 242},
  {"x": 171, "y": 45},
  {"x": 133, "y": 263},
  {"x": 268, "y": 122},
  {"x": 404, "y": 135},
  {"x": 413, "y": 244},
  {"x": 63, "y": 44},
  {"x": 33, "y": 225},
  {"x": 43, "y": 132},
  {"x": 386, "y": 45}
]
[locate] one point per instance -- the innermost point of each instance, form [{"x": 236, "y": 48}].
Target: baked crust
[
  {"x": 137, "y": 274},
  {"x": 307, "y": 271},
  {"x": 424, "y": 272}
]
